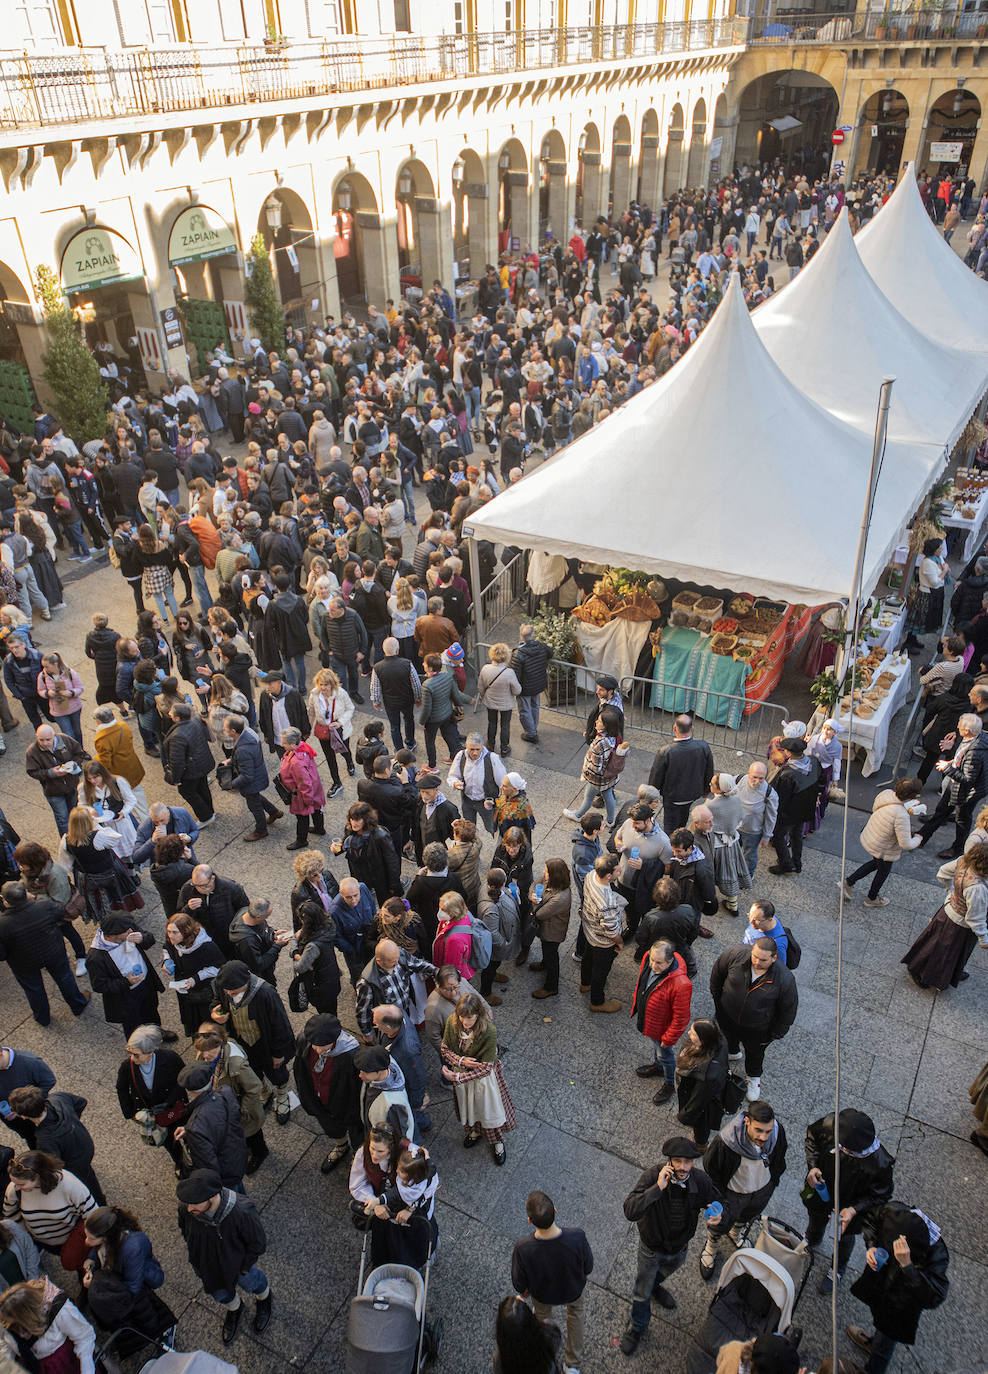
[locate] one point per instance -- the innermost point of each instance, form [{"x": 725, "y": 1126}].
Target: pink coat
[
  {"x": 67, "y": 705},
  {"x": 300, "y": 773},
  {"x": 452, "y": 946}
]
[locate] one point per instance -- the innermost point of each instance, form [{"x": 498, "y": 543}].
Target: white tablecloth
[
  {"x": 612, "y": 648},
  {"x": 886, "y": 636},
  {"x": 873, "y": 734},
  {"x": 973, "y": 528}
]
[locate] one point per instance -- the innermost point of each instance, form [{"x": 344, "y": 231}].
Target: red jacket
[
  {"x": 299, "y": 772},
  {"x": 667, "y": 1012}
]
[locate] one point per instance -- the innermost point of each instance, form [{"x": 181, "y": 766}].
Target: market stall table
[
  {"x": 872, "y": 734},
  {"x": 972, "y": 527},
  {"x": 612, "y": 648},
  {"x": 886, "y": 636},
  {"x": 689, "y": 676}
]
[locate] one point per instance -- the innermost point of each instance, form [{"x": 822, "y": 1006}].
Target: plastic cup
[
  {"x": 636, "y": 851},
  {"x": 539, "y": 889},
  {"x": 169, "y": 965},
  {"x": 822, "y": 1191},
  {"x": 713, "y": 1211},
  {"x": 881, "y": 1256},
  {"x": 137, "y": 968}
]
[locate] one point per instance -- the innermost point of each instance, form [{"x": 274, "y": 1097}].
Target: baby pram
[
  {"x": 164, "y": 1360},
  {"x": 757, "y": 1293},
  {"x": 389, "y": 1331}
]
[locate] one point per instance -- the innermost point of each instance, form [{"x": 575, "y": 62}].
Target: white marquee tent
[
  {"x": 835, "y": 335},
  {"x": 921, "y": 275},
  {"x": 722, "y": 473}
]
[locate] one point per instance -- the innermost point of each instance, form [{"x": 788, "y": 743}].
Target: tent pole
[
  {"x": 850, "y": 654},
  {"x": 476, "y": 591}
]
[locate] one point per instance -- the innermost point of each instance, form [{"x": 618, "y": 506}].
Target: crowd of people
[{"x": 311, "y": 589}]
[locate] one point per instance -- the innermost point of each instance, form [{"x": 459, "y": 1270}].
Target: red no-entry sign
[{"x": 837, "y": 136}]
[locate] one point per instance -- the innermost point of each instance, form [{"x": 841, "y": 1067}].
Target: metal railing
[
  {"x": 98, "y": 84},
  {"x": 503, "y": 591},
  {"x": 877, "y": 26}
]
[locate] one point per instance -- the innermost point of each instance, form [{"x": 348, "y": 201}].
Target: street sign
[
  {"x": 172, "y": 325},
  {"x": 837, "y": 136}
]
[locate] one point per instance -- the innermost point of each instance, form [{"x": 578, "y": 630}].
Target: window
[
  {"x": 509, "y": 16},
  {"x": 403, "y": 16}
]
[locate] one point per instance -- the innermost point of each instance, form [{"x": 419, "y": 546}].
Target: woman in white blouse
[
  {"x": 114, "y": 802},
  {"x": 926, "y": 612}
]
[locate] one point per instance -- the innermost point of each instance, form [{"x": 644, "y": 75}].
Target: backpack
[
  {"x": 614, "y": 766},
  {"x": 481, "y": 941},
  {"x": 114, "y": 556},
  {"x": 500, "y": 939},
  {"x": 793, "y": 951}
]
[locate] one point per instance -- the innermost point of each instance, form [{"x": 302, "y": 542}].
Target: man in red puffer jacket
[{"x": 661, "y": 1008}]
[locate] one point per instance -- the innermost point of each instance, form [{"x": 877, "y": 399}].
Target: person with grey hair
[
  {"x": 299, "y": 774},
  {"x": 965, "y": 782},
  {"x": 250, "y": 775},
  {"x": 477, "y": 773},
  {"x": 396, "y": 689},
  {"x": 345, "y": 643},
  {"x": 650, "y": 795},
  {"x": 324, "y": 587},
  {"x": 148, "y": 1087},
  {"x": 255, "y": 941}
]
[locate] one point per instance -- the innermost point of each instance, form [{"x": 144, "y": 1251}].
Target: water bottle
[
  {"x": 822, "y": 1191},
  {"x": 513, "y": 889},
  {"x": 713, "y": 1211},
  {"x": 169, "y": 966},
  {"x": 539, "y": 889},
  {"x": 635, "y": 851}
]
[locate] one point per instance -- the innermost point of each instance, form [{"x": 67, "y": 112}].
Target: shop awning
[
  {"x": 95, "y": 257},
  {"x": 198, "y": 233},
  {"x": 721, "y": 473}
]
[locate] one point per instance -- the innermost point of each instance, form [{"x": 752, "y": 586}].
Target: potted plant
[
  {"x": 881, "y": 27},
  {"x": 558, "y": 632}
]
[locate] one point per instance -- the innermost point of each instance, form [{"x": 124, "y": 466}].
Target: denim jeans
[
  {"x": 472, "y": 397},
  {"x": 261, "y": 810},
  {"x": 528, "y": 714},
  {"x": 665, "y": 1057},
  {"x": 201, "y": 588},
  {"x": 294, "y": 669},
  {"x": 254, "y": 1281},
  {"x": 347, "y": 672},
  {"x": 37, "y": 995},
  {"x": 880, "y": 1356},
  {"x": 77, "y": 539},
  {"x": 449, "y": 733},
  {"x": 408, "y": 499},
  {"x": 749, "y": 848},
  {"x": 653, "y": 1268},
  {"x": 60, "y": 807},
  {"x": 607, "y": 793},
  {"x": 28, "y": 592},
  {"x": 71, "y": 725},
  {"x": 377, "y": 638},
  {"x": 166, "y": 600},
  {"x": 399, "y": 718}
]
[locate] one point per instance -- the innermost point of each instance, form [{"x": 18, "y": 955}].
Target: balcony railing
[
  {"x": 875, "y": 27},
  {"x": 96, "y": 84}
]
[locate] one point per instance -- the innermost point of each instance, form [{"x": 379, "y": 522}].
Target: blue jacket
[
  {"x": 406, "y": 1050},
  {"x": 180, "y": 822},
  {"x": 27, "y": 1071},
  {"x": 136, "y": 1263},
  {"x": 777, "y": 933},
  {"x": 21, "y": 675},
  {"x": 352, "y": 921},
  {"x": 250, "y": 774}
]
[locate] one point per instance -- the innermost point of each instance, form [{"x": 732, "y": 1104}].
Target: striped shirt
[{"x": 50, "y": 1217}]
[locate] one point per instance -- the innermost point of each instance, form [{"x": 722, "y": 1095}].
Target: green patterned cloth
[{"x": 687, "y": 671}]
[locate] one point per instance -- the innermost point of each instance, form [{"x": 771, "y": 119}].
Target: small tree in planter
[
  {"x": 556, "y": 630},
  {"x": 266, "y": 312},
  {"x": 71, "y": 371}
]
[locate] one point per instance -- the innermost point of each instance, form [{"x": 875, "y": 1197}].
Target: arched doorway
[
  {"x": 787, "y": 116},
  {"x": 512, "y": 198},
  {"x": 951, "y": 128},
  {"x": 104, "y": 283},
  {"x": 416, "y": 227},
  {"x": 696, "y": 174},
  {"x": 673, "y": 178},
  {"x": 552, "y": 188},
  {"x": 468, "y": 211},
  {"x": 356, "y": 218},
  {"x": 205, "y": 271},
  {"x": 19, "y": 350},
  {"x": 619, "y": 189},
  {"x": 882, "y": 132},
  {"x": 648, "y": 160},
  {"x": 286, "y": 225},
  {"x": 587, "y": 206}
]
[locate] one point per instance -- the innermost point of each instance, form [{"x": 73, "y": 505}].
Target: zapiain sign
[{"x": 96, "y": 257}]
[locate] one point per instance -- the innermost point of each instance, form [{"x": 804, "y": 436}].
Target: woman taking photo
[
  {"x": 701, "y": 1076},
  {"x": 60, "y": 687},
  {"x": 470, "y": 1063},
  {"x": 299, "y": 773},
  {"x": 113, "y": 802},
  {"x": 315, "y": 957},
  {"x": 50, "y": 1203},
  {"x": 190, "y": 963},
  {"x": 171, "y": 868},
  {"x": 938, "y": 956},
  {"x": 44, "y": 1330},
  {"x": 120, "y": 1277},
  {"x": 231, "y": 1069},
  {"x": 88, "y": 851},
  {"x": 369, "y": 853},
  {"x": 551, "y": 909},
  {"x": 331, "y": 713},
  {"x": 157, "y": 561},
  {"x": 148, "y": 1089}
]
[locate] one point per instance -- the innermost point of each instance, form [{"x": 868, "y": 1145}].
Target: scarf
[
  {"x": 931, "y": 1226},
  {"x": 431, "y": 806},
  {"x": 860, "y": 1154},
  {"x": 126, "y": 956},
  {"x": 735, "y": 1134}
]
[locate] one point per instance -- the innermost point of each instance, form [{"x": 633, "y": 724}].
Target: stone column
[
  {"x": 482, "y": 242},
  {"x": 374, "y": 257},
  {"x": 558, "y": 210},
  {"x": 594, "y": 202},
  {"x": 649, "y": 170},
  {"x": 430, "y": 252}
]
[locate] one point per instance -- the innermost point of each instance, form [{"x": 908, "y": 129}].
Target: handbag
[
  {"x": 283, "y": 790},
  {"x": 326, "y": 729},
  {"x": 73, "y": 1251},
  {"x": 169, "y": 1116},
  {"x": 225, "y": 773},
  {"x": 298, "y": 994},
  {"x": 76, "y": 905}
]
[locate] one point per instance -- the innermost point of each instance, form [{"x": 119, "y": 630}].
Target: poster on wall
[{"x": 945, "y": 152}]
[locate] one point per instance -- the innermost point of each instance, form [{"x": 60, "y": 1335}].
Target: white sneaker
[
  {"x": 735, "y": 1058},
  {"x": 571, "y": 816},
  {"x": 876, "y": 901},
  {"x": 80, "y": 968},
  {"x": 754, "y": 1089}
]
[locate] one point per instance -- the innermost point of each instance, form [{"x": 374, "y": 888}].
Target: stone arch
[
  {"x": 289, "y": 232},
  {"x": 619, "y": 190},
  {"x": 697, "y": 160},
  {"x": 648, "y": 160},
  {"x": 469, "y": 213},
  {"x": 20, "y": 349},
  {"x": 953, "y": 118},
  {"x": 358, "y": 249},
  {"x": 416, "y": 226},
  {"x": 790, "y": 114},
  {"x": 887, "y": 111},
  {"x": 588, "y": 176},
  {"x": 553, "y": 187},
  {"x": 675, "y": 135},
  {"x": 512, "y": 195}
]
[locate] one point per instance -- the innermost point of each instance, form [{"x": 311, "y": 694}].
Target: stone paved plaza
[{"x": 586, "y": 1124}]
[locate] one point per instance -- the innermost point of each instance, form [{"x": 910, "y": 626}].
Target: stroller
[
  {"x": 757, "y": 1293},
  {"x": 164, "y": 1360},
  {"x": 388, "y": 1331}
]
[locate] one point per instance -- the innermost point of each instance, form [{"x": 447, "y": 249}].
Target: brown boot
[
  {"x": 255, "y": 835},
  {"x": 611, "y": 1005}
]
